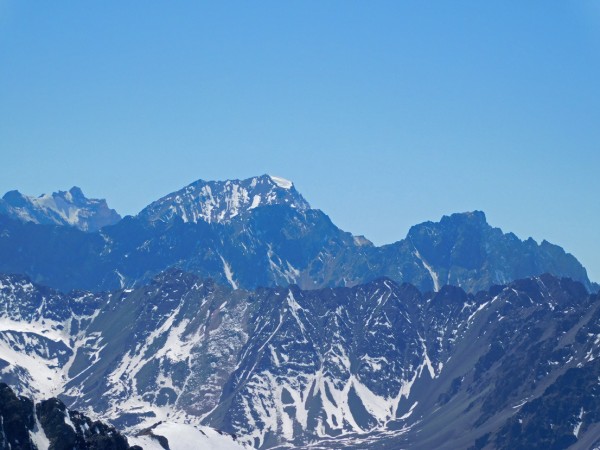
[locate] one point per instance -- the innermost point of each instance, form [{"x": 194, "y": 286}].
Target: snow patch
[
  {"x": 38, "y": 436},
  {"x": 228, "y": 273},
  {"x": 432, "y": 274},
  {"x": 255, "y": 202},
  {"x": 578, "y": 424},
  {"x": 68, "y": 421},
  {"x": 410, "y": 411},
  {"x": 186, "y": 437}
]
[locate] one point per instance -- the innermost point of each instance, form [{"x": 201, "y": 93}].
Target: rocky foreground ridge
[{"x": 371, "y": 366}]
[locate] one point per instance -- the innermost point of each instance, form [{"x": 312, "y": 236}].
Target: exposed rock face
[
  {"x": 50, "y": 426},
  {"x": 18, "y": 419}
]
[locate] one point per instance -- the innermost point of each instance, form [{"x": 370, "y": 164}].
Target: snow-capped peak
[
  {"x": 60, "y": 208},
  {"x": 221, "y": 201},
  {"x": 281, "y": 182}
]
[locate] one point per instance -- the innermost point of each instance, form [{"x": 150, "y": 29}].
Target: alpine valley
[{"x": 234, "y": 306}]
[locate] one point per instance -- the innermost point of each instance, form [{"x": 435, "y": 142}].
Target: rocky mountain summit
[
  {"x": 221, "y": 201},
  {"x": 464, "y": 250}
]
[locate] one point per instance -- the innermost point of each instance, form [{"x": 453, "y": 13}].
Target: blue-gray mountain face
[
  {"x": 377, "y": 366},
  {"x": 251, "y": 233}
]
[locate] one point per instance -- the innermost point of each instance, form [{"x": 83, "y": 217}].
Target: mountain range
[
  {"x": 262, "y": 232},
  {"x": 235, "y": 306}
]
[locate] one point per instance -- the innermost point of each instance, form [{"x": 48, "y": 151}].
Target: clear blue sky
[{"x": 384, "y": 114}]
